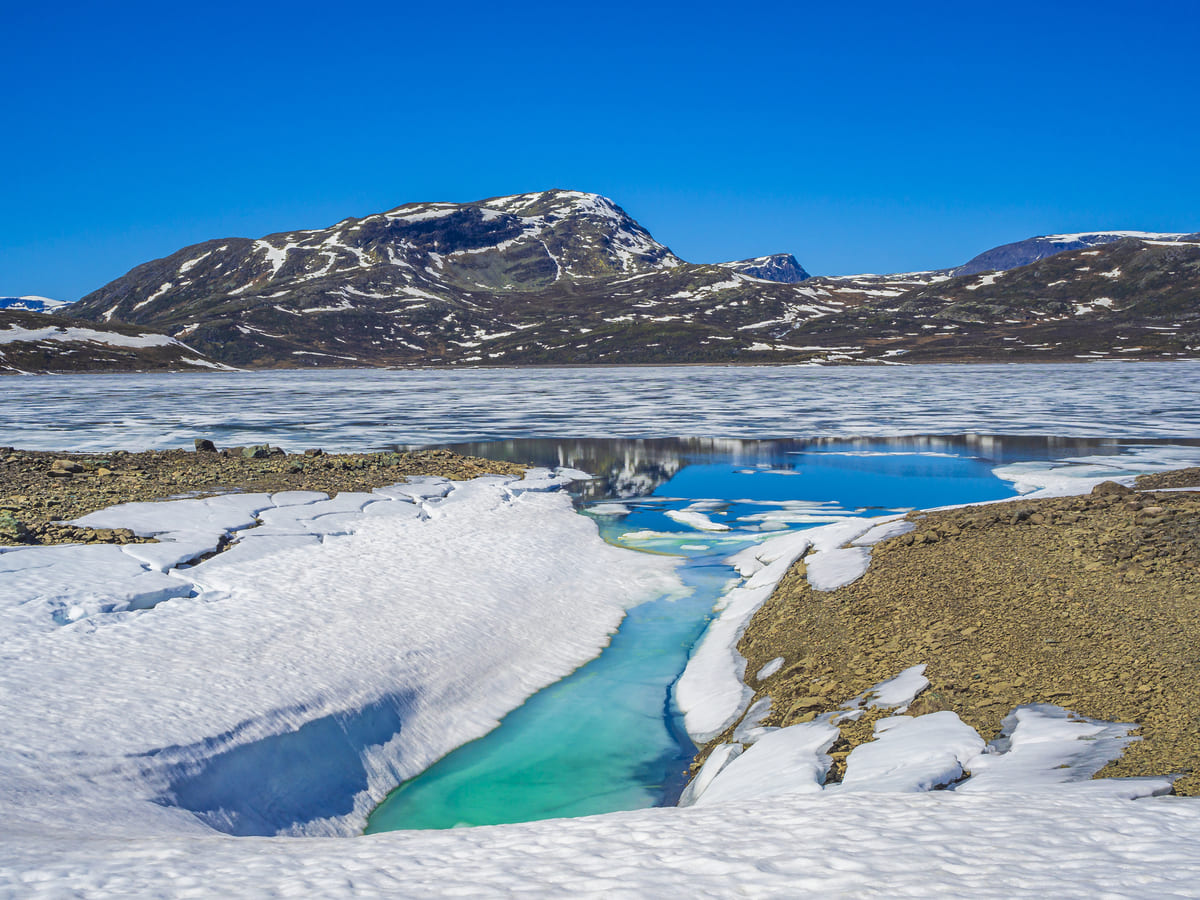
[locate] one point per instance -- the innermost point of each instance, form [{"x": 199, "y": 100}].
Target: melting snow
[
  {"x": 275, "y": 256},
  {"x": 413, "y": 619},
  {"x": 111, "y": 338}
]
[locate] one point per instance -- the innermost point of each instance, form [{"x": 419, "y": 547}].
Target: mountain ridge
[{"x": 566, "y": 277}]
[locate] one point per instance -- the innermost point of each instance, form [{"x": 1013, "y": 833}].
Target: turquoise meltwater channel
[{"x": 608, "y": 736}]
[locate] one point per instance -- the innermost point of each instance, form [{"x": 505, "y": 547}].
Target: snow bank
[
  {"x": 912, "y": 754},
  {"x": 900, "y": 845},
  {"x": 711, "y": 692},
  {"x": 786, "y": 761},
  {"x": 1042, "y": 748},
  {"x": 286, "y": 684}
]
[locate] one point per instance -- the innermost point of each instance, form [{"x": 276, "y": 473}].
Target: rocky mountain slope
[
  {"x": 40, "y": 342},
  {"x": 563, "y": 277}
]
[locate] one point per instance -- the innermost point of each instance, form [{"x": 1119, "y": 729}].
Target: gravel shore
[{"x": 1091, "y": 603}]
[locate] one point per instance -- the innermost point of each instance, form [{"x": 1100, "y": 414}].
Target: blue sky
[{"x": 869, "y": 137}]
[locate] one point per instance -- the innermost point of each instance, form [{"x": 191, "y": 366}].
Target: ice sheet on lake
[
  {"x": 368, "y": 643},
  {"x": 1079, "y": 475},
  {"x": 357, "y": 409}
]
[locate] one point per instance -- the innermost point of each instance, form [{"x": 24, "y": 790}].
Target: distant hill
[
  {"x": 32, "y": 304},
  {"x": 564, "y": 277},
  {"x": 1134, "y": 298},
  {"x": 1022, "y": 253},
  {"x": 44, "y": 342}
]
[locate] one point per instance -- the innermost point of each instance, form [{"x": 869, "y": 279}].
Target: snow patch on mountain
[{"x": 15, "y": 333}]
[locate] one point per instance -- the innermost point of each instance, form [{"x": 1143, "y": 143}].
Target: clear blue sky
[{"x": 879, "y": 136}]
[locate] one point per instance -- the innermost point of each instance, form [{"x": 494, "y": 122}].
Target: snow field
[
  {"x": 404, "y": 588},
  {"x": 53, "y": 333},
  {"x": 368, "y": 634},
  {"x": 938, "y": 844}
]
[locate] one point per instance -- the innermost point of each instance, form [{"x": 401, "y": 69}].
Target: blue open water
[{"x": 608, "y": 737}]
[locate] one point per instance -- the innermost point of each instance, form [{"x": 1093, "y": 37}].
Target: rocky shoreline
[
  {"x": 1091, "y": 603},
  {"x": 41, "y": 491}
]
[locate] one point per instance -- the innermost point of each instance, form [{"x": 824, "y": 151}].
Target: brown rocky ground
[
  {"x": 1091, "y": 603},
  {"x": 40, "y": 490}
]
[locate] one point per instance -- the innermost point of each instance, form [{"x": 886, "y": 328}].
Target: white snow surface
[
  {"x": 15, "y": 333},
  {"x": 943, "y": 844},
  {"x": 789, "y": 760},
  {"x": 285, "y": 685},
  {"x": 912, "y": 754},
  {"x": 430, "y": 589},
  {"x": 897, "y": 692}
]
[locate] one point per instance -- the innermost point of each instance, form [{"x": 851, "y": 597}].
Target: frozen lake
[
  {"x": 365, "y": 409},
  {"x": 291, "y": 687}
]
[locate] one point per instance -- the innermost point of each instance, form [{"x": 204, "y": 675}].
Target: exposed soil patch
[
  {"x": 39, "y": 491},
  {"x": 1091, "y": 603}
]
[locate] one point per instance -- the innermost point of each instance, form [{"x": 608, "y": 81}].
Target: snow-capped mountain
[
  {"x": 781, "y": 267},
  {"x": 528, "y": 278},
  {"x": 564, "y": 277},
  {"x": 1022, "y": 253},
  {"x": 33, "y": 303},
  {"x": 455, "y": 253}
]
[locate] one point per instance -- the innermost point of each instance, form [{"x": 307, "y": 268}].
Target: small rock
[
  {"x": 256, "y": 451},
  {"x": 803, "y": 703},
  {"x": 203, "y": 445},
  {"x": 314, "y": 451},
  {"x": 66, "y": 465},
  {"x": 1110, "y": 487},
  {"x": 103, "y": 472}
]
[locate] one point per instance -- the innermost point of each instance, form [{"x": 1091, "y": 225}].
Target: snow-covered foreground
[
  {"x": 283, "y": 685},
  {"x": 287, "y": 684},
  {"x": 852, "y": 845}
]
